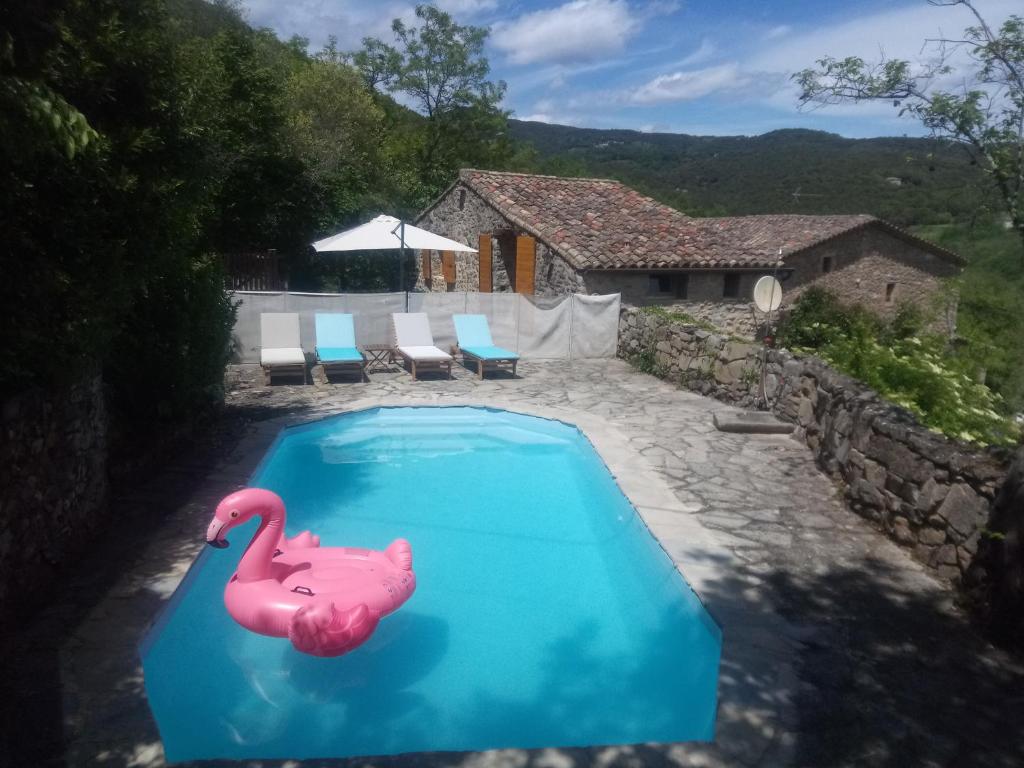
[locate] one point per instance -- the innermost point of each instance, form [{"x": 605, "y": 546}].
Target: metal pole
[
  {"x": 401, "y": 265},
  {"x": 768, "y": 330}
]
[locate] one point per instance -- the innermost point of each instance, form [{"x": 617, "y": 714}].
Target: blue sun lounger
[
  {"x": 336, "y": 345},
  {"x": 476, "y": 344}
]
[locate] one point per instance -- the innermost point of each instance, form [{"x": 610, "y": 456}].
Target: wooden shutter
[
  {"x": 526, "y": 258},
  {"x": 485, "y": 263},
  {"x": 425, "y": 258},
  {"x": 448, "y": 263}
]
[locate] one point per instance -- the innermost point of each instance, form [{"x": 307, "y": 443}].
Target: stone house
[{"x": 547, "y": 235}]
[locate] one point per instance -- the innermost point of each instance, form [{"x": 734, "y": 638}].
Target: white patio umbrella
[{"x": 386, "y": 233}]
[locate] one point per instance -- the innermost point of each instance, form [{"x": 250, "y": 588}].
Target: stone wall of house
[
  {"x": 702, "y": 286},
  {"x": 463, "y": 215},
  {"x": 54, "y": 459},
  {"x": 704, "y": 299},
  {"x": 930, "y": 494},
  {"x": 865, "y": 263},
  {"x": 554, "y": 276}
]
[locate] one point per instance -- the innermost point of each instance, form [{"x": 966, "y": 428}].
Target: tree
[
  {"x": 101, "y": 205},
  {"x": 441, "y": 68},
  {"x": 985, "y": 115}
]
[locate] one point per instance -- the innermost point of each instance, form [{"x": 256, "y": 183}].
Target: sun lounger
[
  {"x": 415, "y": 344},
  {"x": 336, "y": 345},
  {"x": 476, "y": 344},
  {"x": 280, "y": 348}
]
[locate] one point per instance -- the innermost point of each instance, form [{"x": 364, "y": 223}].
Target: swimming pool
[{"x": 545, "y": 612}]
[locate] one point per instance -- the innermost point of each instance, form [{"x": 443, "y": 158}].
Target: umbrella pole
[{"x": 401, "y": 266}]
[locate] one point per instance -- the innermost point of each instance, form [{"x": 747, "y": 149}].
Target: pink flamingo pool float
[{"x": 326, "y": 600}]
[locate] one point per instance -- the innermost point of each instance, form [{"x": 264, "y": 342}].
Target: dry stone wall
[
  {"x": 931, "y": 495},
  {"x": 54, "y": 459}
]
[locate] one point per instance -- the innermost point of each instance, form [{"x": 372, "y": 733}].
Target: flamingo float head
[{"x": 239, "y": 508}]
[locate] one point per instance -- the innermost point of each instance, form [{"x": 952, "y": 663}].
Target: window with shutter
[
  {"x": 448, "y": 264},
  {"x": 425, "y": 261},
  {"x": 526, "y": 259},
  {"x": 484, "y": 248}
]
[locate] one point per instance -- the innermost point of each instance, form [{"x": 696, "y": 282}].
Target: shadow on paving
[
  {"x": 34, "y": 702},
  {"x": 886, "y": 675},
  {"x": 893, "y": 678}
]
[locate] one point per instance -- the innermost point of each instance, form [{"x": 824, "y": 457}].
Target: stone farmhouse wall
[
  {"x": 703, "y": 286},
  {"x": 864, "y": 263},
  {"x": 465, "y": 223},
  {"x": 54, "y": 459},
  {"x": 703, "y": 300},
  {"x": 931, "y": 495}
]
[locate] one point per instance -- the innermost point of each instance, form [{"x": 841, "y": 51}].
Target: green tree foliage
[
  {"x": 439, "y": 67},
  {"x": 104, "y": 249},
  {"x": 990, "y": 322},
  {"x": 903, "y": 363},
  {"x": 984, "y": 113},
  {"x": 88, "y": 232}
]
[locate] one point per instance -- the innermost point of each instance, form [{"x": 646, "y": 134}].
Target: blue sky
[{"x": 697, "y": 66}]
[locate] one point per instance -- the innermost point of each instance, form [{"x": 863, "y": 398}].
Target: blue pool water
[{"x": 545, "y": 613}]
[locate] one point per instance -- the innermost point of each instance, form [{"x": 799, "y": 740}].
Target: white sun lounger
[
  {"x": 415, "y": 344},
  {"x": 280, "y": 348}
]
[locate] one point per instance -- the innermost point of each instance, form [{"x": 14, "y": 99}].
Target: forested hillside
[{"x": 904, "y": 180}]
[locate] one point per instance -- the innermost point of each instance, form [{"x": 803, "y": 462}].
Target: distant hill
[{"x": 904, "y": 180}]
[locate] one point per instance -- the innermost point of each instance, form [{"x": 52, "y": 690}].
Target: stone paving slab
[{"x": 838, "y": 649}]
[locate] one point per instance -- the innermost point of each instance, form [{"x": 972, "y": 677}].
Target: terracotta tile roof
[
  {"x": 759, "y": 238},
  {"x": 603, "y": 224},
  {"x": 592, "y": 223}
]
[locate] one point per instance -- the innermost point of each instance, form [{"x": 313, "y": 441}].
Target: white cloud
[
  {"x": 693, "y": 84},
  {"x": 462, "y": 9},
  {"x": 705, "y": 51},
  {"x": 580, "y": 30},
  {"x": 900, "y": 33},
  {"x": 764, "y": 75},
  {"x": 780, "y": 31},
  {"x": 348, "y": 20}
]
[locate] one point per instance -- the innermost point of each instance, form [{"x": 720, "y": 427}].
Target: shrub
[
  {"x": 167, "y": 361},
  {"x": 902, "y": 364},
  {"x": 678, "y": 316}
]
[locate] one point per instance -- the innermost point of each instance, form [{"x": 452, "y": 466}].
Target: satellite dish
[{"x": 767, "y": 294}]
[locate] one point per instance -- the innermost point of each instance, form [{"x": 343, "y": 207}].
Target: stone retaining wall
[
  {"x": 54, "y": 459},
  {"x": 930, "y": 494}
]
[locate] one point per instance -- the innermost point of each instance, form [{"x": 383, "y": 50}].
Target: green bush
[
  {"x": 168, "y": 357},
  {"x": 678, "y": 316},
  {"x": 902, "y": 363}
]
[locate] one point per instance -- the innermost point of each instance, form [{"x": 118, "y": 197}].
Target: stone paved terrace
[{"x": 838, "y": 648}]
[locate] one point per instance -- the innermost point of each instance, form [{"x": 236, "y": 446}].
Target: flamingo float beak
[{"x": 215, "y": 534}]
